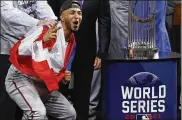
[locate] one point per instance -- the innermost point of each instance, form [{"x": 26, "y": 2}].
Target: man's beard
[{"x": 68, "y": 24}]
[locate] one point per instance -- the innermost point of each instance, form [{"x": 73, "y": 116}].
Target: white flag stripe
[
  {"x": 30, "y": 37},
  {"x": 57, "y": 53},
  {"x": 38, "y": 53},
  {"x": 54, "y": 57}
]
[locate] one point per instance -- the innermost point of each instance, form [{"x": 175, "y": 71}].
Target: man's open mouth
[{"x": 75, "y": 23}]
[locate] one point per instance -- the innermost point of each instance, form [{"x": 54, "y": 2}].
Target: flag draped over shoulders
[{"x": 47, "y": 61}]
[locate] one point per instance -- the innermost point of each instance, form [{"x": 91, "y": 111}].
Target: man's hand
[
  {"x": 49, "y": 23},
  {"x": 43, "y": 92},
  {"x": 67, "y": 76},
  {"x": 41, "y": 89},
  {"x": 97, "y": 63},
  {"x": 51, "y": 33}
]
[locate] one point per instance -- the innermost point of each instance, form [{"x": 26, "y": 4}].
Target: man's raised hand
[{"x": 51, "y": 33}]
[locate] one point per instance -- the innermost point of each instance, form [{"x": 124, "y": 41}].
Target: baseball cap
[{"x": 70, "y": 4}]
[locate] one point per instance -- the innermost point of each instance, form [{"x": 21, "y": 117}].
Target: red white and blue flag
[{"x": 45, "y": 61}]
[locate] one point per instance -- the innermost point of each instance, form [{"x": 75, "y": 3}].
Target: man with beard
[
  {"x": 39, "y": 62},
  {"x": 86, "y": 59}
]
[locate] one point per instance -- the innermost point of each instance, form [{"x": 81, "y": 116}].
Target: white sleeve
[
  {"x": 44, "y": 11},
  {"x": 14, "y": 16}
]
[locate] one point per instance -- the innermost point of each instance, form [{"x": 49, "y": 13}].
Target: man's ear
[{"x": 62, "y": 18}]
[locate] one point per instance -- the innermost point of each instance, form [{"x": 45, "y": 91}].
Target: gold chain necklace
[{"x": 136, "y": 18}]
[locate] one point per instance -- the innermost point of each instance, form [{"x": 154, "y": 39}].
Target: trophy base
[{"x": 140, "y": 52}]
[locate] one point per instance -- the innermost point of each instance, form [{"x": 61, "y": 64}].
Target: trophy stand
[{"x": 140, "y": 83}]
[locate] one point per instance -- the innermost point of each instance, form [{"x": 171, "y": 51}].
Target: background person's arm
[
  {"x": 104, "y": 26},
  {"x": 16, "y": 17},
  {"x": 44, "y": 11},
  {"x": 171, "y": 6}
]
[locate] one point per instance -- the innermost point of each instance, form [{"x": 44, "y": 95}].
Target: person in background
[
  {"x": 94, "y": 106},
  {"x": 170, "y": 15},
  {"x": 17, "y": 18}
]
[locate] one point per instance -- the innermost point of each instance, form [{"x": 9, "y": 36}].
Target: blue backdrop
[{"x": 140, "y": 90}]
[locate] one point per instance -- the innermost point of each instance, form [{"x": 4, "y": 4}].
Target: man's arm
[
  {"x": 104, "y": 26},
  {"x": 44, "y": 11},
  {"x": 38, "y": 33},
  {"x": 171, "y": 4},
  {"x": 16, "y": 17}
]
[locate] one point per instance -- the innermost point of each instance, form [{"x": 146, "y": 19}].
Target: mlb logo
[{"x": 143, "y": 117}]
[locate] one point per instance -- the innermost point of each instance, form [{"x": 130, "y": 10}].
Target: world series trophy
[{"x": 141, "y": 29}]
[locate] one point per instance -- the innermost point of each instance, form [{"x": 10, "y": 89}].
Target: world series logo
[{"x": 143, "y": 98}]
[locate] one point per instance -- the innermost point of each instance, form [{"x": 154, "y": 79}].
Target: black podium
[{"x": 139, "y": 89}]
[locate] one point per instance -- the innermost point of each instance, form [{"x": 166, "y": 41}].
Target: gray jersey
[
  {"x": 18, "y": 17},
  {"x": 119, "y": 25}
]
